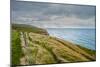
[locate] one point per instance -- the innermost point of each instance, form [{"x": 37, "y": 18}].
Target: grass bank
[{"x": 16, "y": 48}]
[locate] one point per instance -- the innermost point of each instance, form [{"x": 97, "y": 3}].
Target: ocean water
[{"x": 83, "y": 37}]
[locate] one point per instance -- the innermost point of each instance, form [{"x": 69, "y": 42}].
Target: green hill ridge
[{"x": 32, "y": 45}]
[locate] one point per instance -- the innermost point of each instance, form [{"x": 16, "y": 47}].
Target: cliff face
[{"x": 37, "y": 48}]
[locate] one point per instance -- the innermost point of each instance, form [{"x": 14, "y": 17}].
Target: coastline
[{"x": 44, "y": 49}]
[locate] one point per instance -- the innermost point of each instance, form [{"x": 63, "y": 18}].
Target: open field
[{"x": 32, "y": 45}]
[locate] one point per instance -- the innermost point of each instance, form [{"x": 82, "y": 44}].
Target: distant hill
[
  {"x": 29, "y": 28},
  {"x": 32, "y": 45}
]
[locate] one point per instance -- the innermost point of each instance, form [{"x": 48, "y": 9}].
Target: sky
[{"x": 51, "y": 15}]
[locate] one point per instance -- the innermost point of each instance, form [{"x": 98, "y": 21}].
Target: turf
[{"x": 16, "y": 48}]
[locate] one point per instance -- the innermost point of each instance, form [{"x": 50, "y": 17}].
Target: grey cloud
[
  {"x": 83, "y": 12},
  {"x": 47, "y": 14}
]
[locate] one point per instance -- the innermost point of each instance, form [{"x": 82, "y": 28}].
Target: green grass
[
  {"x": 91, "y": 52},
  {"x": 29, "y": 28},
  {"x": 16, "y": 48},
  {"x": 62, "y": 51}
]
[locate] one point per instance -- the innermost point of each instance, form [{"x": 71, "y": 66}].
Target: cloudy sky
[{"x": 50, "y": 15}]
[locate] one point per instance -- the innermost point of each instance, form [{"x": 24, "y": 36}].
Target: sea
[{"x": 85, "y": 37}]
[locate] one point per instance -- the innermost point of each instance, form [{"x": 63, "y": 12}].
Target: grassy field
[
  {"x": 16, "y": 48},
  {"x": 35, "y": 47}
]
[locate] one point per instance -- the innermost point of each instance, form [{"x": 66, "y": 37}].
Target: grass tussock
[{"x": 16, "y": 48}]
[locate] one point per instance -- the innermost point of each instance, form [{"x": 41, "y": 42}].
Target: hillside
[
  {"x": 29, "y": 28},
  {"x": 32, "y": 45}
]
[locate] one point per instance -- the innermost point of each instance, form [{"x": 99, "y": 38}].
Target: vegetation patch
[{"x": 16, "y": 48}]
